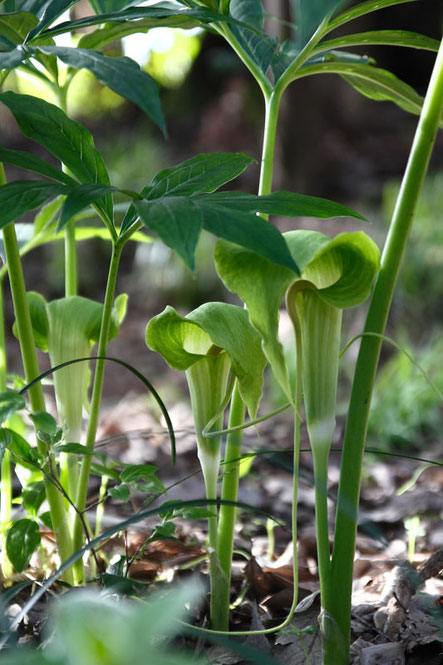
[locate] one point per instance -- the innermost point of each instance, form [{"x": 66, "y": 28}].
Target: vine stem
[
  {"x": 31, "y": 369},
  {"x": 338, "y": 596},
  {"x": 97, "y": 390}
]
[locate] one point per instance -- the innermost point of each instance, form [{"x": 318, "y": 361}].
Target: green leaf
[
  {"x": 182, "y": 341},
  {"x": 310, "y": 14},
  {"x": 361, "y": 9},
  {"x": 21, "y": 196},
  {"x": 5, "y": 442},
  {"x": 288, "y": 204},
  {"x": 80, "y": 197},
  {"x": 142, "y": 478},
  {"x": 25, "y": 160},
  {"x": 33, "y": 496},
  {"x": 23, "y": 453},
  {"x": 376, "y": 37},
  {"x": 12, "y": 59},
  {"x": 66, "y": 139},
  {"x": 122, "y": 75},
  {"x": 14, "y": 27},
  {"x": 53, "y": 10},
  {"x": 102, "y": 6},
  {"x": 137, "y": 471},
  {"x": 102, "y": 470},
  {"x": 44, "y": 422},
  {"x": 22, "y": 540},
  {"x": 203, "y": 15},
  {"x": 113, "y": 31},
  {"x": 201, "y": 174},
  {"x": 73, "y": 448},
  {"x": 120, "y": 492},
  {"x": 257, "y": 44},
  {"x": 178, "y": 222},
  {"x": 10, "y": 402},
  {"x": 373, "y": 82}
]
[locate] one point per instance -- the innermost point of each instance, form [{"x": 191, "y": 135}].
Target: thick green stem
[
  {"x": 97, "y": 390},
  {"x": 70, "y": 260},
  {"x": 31, "y": 368},
  {"x": 321, "y": 517},
  {"x": 6, "y": 481},
  {"x": 338, "y": 596},
  {"x": 227, "y": 513}
]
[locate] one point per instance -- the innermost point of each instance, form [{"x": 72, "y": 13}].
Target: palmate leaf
[
  {"x": 66, "y": 139},
  {"x": 381, "y": 37},
  {"x": 233, "y": 216},
  {"x": 122, "y": 75}
]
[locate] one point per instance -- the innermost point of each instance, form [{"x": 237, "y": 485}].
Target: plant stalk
[
  {"x": 6, "y": 481},
  {"x": 338, "y": 596},
  {"x": 237, "y": 412},
  {"x": 97, "y": 390},
  {"x": 36, "y": 397}
]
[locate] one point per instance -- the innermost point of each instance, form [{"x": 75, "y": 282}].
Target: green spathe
[
  {"x": 341, "y": 270},
  {"x": 183, "y": 341},
  {"x": 67, "y": 329}
]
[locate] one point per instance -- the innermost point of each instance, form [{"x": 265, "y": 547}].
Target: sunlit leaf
[{"x": 122, "y": 75}]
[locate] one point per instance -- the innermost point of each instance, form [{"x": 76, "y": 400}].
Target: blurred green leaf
[
  {"x": 22, "y": 540},
  {"x": 10, "y": 402}
]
